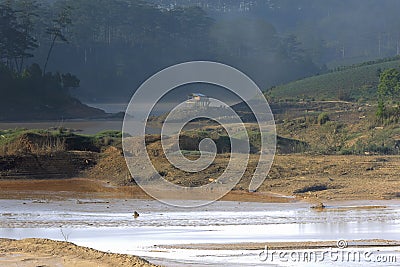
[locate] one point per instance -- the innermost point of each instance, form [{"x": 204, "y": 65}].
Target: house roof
[{"x": 198, "y": 94}]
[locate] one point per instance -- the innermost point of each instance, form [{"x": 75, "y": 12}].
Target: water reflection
[{"x": 111, "y": 227}]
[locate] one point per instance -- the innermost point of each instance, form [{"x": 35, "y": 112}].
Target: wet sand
[
  {"x": 89, "y": 188},
  {"x": 288, "y": 245},
  {"x": 65, "y": 189}
]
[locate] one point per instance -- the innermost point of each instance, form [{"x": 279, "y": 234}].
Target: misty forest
[{"x": 107, "y": 48}]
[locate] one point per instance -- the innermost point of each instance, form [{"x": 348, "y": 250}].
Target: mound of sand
[{"x": 45, "y": 252}]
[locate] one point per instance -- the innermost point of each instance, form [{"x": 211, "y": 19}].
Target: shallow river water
[{"x": 108, "y": 225}]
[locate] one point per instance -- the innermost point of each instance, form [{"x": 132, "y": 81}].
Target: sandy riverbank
[{"x": 45, "y": 252}]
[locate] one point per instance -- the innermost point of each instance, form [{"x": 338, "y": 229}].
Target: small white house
[{"x": 198, "y": 100}]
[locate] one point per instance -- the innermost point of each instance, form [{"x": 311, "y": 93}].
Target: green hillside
[{"x": 357, "y": 82}]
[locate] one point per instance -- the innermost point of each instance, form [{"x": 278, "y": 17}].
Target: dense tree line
[
  {"x": 16, "y": 41},
  {"x": 27, "y": 91},
  {"x": 114, "y": 45}
]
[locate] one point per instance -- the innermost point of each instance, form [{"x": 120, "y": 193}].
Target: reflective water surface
[{"x": 108, "y": 225}]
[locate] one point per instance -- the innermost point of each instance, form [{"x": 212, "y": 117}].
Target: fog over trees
[{"x": 112, "y": 46}]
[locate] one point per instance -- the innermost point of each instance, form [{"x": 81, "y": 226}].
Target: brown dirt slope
[
  {"x": 330, "y": 177},
  {"x": 51, "y": 165},
  {"x": 111, "y": 166}
]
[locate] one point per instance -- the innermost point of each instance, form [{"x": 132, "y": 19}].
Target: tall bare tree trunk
[{"x": 48, "y": 54}]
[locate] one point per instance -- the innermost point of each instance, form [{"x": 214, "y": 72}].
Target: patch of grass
[
  {"x": 376, "y": 141},
  {"x": 109, "y": 133},
  {"x": 18, "y": 141},
  {"x": 7, "y": 136}
]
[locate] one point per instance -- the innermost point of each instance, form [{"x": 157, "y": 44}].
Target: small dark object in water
[
  {"x": 320, "y": 205},
  {"x": 135, "y": 214}
]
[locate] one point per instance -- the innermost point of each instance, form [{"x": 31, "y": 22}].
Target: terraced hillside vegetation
[{"x": 354, "y": 83}]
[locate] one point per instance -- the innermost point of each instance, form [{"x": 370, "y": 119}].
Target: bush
[
  {"x": 323, "y": 118},
  {"x": 311, "y": 120}
]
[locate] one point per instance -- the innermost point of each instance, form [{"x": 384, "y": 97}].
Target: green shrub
[{"x": 323, "y": 118}]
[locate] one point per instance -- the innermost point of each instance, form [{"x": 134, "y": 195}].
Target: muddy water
[{"x": 108, "y": 225}]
